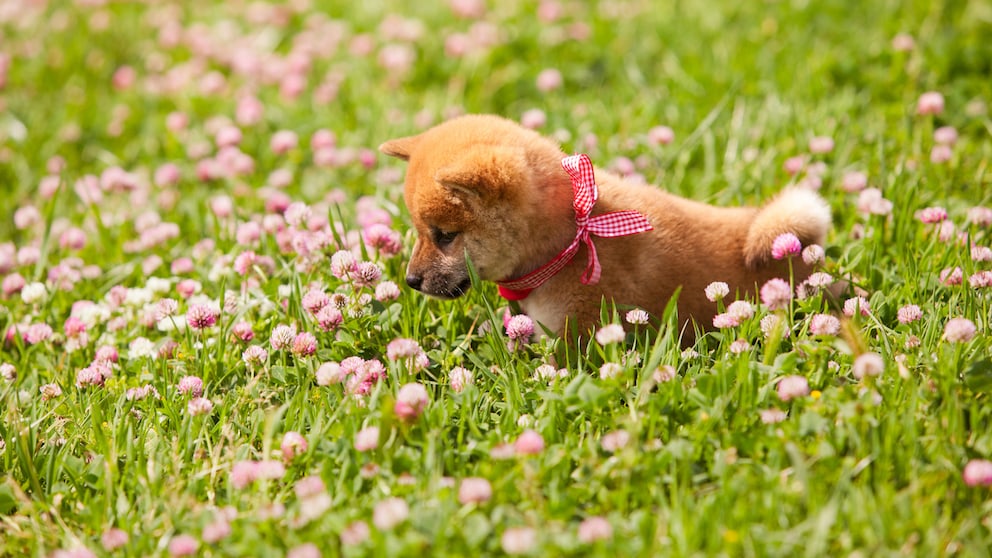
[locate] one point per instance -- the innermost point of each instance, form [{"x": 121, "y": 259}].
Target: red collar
[
  {"x": 513, "y": 294},
  {"x": 616, "y": 223}
]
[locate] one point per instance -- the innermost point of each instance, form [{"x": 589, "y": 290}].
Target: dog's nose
[{"x": 414, "y": 281}]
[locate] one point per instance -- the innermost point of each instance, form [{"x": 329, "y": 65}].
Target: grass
[{"x": 859, "y": 466}]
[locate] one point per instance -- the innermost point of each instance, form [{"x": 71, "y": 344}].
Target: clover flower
[
  {"x": 909, "y": 314},
  {"x": 244, "y": 262},
  {"x": 981, "y": 279},
  {"x": 89, "y": 376},
  {"x": 977, "y": 472},
  {"x": 821, "y": 144},
  {"x": 199, "y": 406},
  {"x": 772, "y": 416},
  {"x": 792, "y": 387},
  {"x": 389, "y": 513},
  {"x": 293, "y": 444},
  {"x": 959, "y": 330},
  {"x": 330, "y": 373},
  {"x": 282, "y": 337},
  {"x": 113, "y": 538},
  {"x": 183, "y": 545},
  {"x": 772, "y": 323},
  {"x": 661, "y": 135},
  {"x": 518, "y": 540},
  {"x": 931, "y": 102},
  {"x": 304, "y": 344},
  {"x": 343, "y": 264},
  {"x": 980, "y": 216},
  {"x": 595, "y": 528},
  {"x": 529, "y": 443},
  {"x": 329, "y": 318},
  {"x": 637, "y": 317},
  {"x": 254, "y": 357},
  {"x": 786, "y": 245},
  {"x": 519, "y": 329},
  {"x": 813, "y": 254},
  {"x": 200, "y": 317},
  {"x": 383, "y": 239},
  {"x": 474, "y": 490},
  {"x": 190, "y": 385},
  {"x": 776, "y": 294},
  {"x": 870, "y": 201},
  {"x": 716, "y": 291},
  {"x": 355, "y": 533},
  {"x": 367, "y": 439},
  {"x": 854, "y": 181},
  {"x": 741, "y": 310},
  {"x": 37, "y": 333},
  {"x": 615, "y": 441},
  {"x": 725, "y": 321},
  {"x": 610, "y": 371},
  {"x": 402, "y": 348},
  {"x": 824, "y": 324},
  {"x": 867, "y": 364},
  {"x": 610, "y": 334},
  {"x": 952, "y": 276},
  {"x": 739, "y": 346},
  {"x": 411, "y": 400},
  {"x": 50, "y": 391},
  {"x": 216, "y": 531},
  {"x": 855, "y": 305}
]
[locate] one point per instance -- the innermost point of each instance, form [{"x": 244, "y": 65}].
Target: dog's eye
[{"x": 443, "y": 238}]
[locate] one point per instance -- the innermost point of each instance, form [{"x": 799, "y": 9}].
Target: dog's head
[{"x": 472, "y": 188}]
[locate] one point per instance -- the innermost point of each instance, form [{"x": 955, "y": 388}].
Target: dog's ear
[
  {"x": 486, "y": 171},
  {"x": 400, "y": 147}
]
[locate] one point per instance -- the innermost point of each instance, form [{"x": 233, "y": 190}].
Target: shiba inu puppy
[{"x": 509, "y": 198}]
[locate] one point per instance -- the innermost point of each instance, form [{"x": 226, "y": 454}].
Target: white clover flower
[
  {"x": 141, "y": 347},
  {"x": 33, "y": 292},
  {"x": 610, "y": 334},
  {"x": 158, "y": 285},
  {"x": 138, "y": 297},
  {"x": 716, "y": 290}
]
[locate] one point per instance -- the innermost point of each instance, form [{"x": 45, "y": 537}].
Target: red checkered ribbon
[{"x": 615, "y": 223}]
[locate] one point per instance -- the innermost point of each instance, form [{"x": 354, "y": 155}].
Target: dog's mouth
[{"x": 454, "y": 291}]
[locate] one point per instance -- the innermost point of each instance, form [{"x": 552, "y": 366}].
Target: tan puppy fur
[{"x": 485, "y": 186}]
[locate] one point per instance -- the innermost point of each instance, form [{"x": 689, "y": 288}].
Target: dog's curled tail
[{"x": 798, "y": 211}]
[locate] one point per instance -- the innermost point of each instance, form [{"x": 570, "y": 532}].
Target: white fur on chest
[{"x": 544, "y": 311}]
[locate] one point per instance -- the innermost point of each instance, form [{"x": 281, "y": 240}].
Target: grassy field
[{"x": 210, "y": 350}]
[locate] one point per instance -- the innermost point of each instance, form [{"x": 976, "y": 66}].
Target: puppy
[{"x": 486, "y": 187}]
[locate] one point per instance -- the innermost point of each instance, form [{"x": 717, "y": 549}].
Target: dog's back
[{"x": 694, "y": 244}]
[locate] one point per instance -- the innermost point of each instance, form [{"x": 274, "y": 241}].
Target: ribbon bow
[{"x": 613, "y": 224}]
